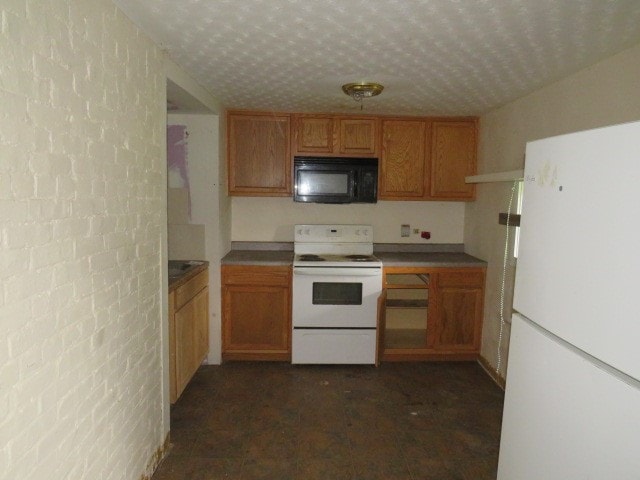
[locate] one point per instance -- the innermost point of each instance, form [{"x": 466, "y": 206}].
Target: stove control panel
[{"x": 333, "y": 233}]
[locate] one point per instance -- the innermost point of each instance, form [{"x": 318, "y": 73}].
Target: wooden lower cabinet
[
  {"x": 459, "y": 296},
  {"x": 188, "y": 331},
  {"x": 432, "y": 313},
  {"x": 256, "y": 312}
]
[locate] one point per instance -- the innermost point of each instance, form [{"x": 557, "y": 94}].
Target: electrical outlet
[{"x": 416, "y": 231}]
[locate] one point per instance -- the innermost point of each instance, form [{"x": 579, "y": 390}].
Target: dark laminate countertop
[
  {"x": 258, "y": 257},
  {"x": 429, "y": 259},
  {"x": 389, "y": 259}
]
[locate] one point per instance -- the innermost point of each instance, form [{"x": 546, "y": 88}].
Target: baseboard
[
  {"x": 498, "y": 379},
  {"x": 157, "y": 458},
  {"x": 413, "y": 355}
]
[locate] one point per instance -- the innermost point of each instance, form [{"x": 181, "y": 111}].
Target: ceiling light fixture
[{"x": 359, "y": 91}]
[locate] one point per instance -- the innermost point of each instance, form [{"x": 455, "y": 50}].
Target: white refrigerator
[{"x": 572, "y": 399}]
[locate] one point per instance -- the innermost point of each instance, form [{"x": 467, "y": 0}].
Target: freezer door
[
  {"x": 565, "y": 417},
  {"x": 579, "y": 263}
]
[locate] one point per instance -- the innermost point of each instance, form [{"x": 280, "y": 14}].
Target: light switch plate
[{"x": 404, "y": 230}]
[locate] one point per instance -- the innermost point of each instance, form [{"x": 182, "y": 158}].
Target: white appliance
[
  {"x": 572, "y": 400},
  {"x": 336, "y": 285}
]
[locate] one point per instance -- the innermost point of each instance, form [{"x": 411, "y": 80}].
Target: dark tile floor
[{"x": 406, "y": 421}]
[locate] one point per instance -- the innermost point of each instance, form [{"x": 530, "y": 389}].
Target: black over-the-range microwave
[{"x": 335, "y": 180}]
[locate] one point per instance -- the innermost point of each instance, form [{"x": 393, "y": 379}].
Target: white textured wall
[
  {"x": 203, "y": 170},
  {"x": 606, "y": 93},
  {"x": 223, "y": 198},
  {"x": 82, "y": 216},
  {"x": 272, "y": 219}
]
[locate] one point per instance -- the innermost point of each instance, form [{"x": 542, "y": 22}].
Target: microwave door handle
[
  {"x": 337, "y": 271},
  {"x": 355, "y": 185}
]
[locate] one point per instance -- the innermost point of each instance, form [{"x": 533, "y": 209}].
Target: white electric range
[{"x": 336, "y": 285}]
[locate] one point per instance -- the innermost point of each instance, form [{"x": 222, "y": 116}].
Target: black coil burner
[
  {"x": 310, "y": 257},
  {"x": 359, "y": 258}
]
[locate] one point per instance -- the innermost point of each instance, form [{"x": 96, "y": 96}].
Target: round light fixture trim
[{"x": 361, "y": 90}]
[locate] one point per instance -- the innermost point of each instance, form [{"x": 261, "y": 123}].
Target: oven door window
[{"x": 332, "y": 293}]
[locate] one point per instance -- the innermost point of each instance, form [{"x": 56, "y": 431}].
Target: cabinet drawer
[
  {"x": 254, "y": 275},
  {"x": 187, "y": 291},
  {"x": 462, "y": 278}
]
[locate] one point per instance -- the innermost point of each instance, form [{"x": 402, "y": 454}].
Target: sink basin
[
  {"x": 177, "y": 268},
  {"x": 175, "y": 272}
]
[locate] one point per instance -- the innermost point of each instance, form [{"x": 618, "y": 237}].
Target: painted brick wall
[{"x": 82, "y": 190}]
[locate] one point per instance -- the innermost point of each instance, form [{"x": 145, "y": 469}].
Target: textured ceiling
[{"x": 434, "y": 57}]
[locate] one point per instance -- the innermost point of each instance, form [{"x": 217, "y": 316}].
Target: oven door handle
[{"x": 338, "y": 271}]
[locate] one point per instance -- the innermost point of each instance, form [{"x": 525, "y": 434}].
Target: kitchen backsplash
[
  {"x": 271, "y": 219},
  {"x": 185, "y": 241}
]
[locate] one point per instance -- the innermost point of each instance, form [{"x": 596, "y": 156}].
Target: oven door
[{"x": 336, "y": 297}]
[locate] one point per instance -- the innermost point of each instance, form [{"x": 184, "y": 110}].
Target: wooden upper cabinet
[
  {"x": 328, "y": 135},
  {"x": 453, "y": 157},
  {"x": 420, "y": 158},
  {"x": 403, "y": 167},
  {"x": 427, "y": 160},
  {"x": 357, "y": 136},
  {"x": 259, "y": 155},
  {"x": 313, "y": 134}
]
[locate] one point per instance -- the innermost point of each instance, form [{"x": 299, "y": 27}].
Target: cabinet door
[
  {"x": 458, "y": 324},
  {"x": 258, "y": 154},
  {"x": 191, "y": 323},
  {"x": 357, "y": 136},
  {"x": 201, "y": 327},
  {"x": 188, "y": 331},
  {"x": 185, "y": 345},
  {"x": 453, "y": 157},
  {"x": 256, "y": 312},
  {"x": 313, "y": 135},
  {"x": 382, "y": 321},
  {"x": 257, "y": 319},
  {"x": 403, "y": 169},
  {"x": 173, "y": 391}
]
